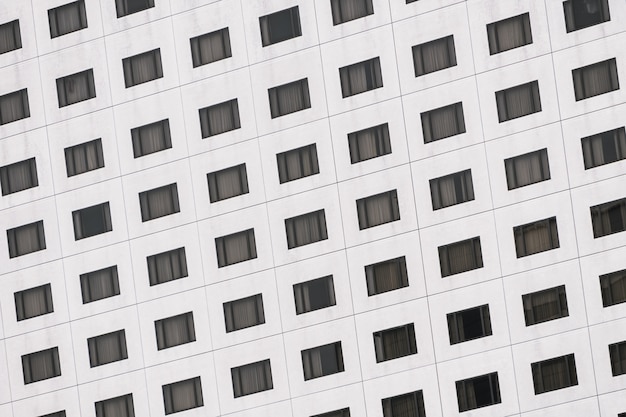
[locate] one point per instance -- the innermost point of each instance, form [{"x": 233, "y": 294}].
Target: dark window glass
[
  {"x": 369, "y": 143},
  {"x": 545, "y": 305},
  {"x": 210, "y": 47},
  {"x": 57, "y": 414},
  {"x": 580, "y": 14},
  {"x": 526, "y": 169},
  {"x": 159, "y": 202},
  {"x": 228, "y": 183},
  {"x": 322, "y": 360},
  {"x": 434, "y": 56},
  {"x": 608, "y": 218},
  {"x": 151, "y": 138},
  {"x": 395, "y": 343},
  {"x": 378, "y": 209},
  {"x": 175, "y": 330},
  {"x": 617, "y": 353},
  {"x": 443, "y": 122},
  {"x": 76, "y": 88},
  {"x": 410, "y": 404},
  {"x": 18, "y": 176},
  {"x": 126, "y": 7},
  {"x": 84, "y": 157},
  {"x": 142, "y": 68},
  {"x": 41, "y": 365},
  {"x": 26, "y": 239},
  {"x": 107, "y": 348},
  {"x": 252, "y": 378},
  {"x": 459, "y": 257},
  {"x": 469, "y": 324},
  {"x": 235, "y": 248},
  {"x": 360, "y": 77},
  {"x": 518, "y": 101},
  {"x": 386, "y": 276},
  {"x": 10, "y": 38},
  {"x": 219, "y": 118},
  {"x": 280, "y": 26},
  {"x": 595, "y": 79},
  {"x": 306, "y": 229},
  {"x": 337, "y": 413},
  {"x": 67, "y": 18},
  {"x": 477, "y": 392},
  {"x": 509, "y": 33},
  {"x": 244, "y": 313},
  {"x": 536, "y": 237},
  {"x": 452, "y": 189},
  {"x": 346, "y": 10},
  {"x": 121, "y": 406},
  {"x": 100, "y": 284},
  {"x": 182, "y": 395},
  {"x": 314, "y": 295},
  {"x": 297, "y": 163},
  {"x": 613, "y": 288},
  {"x": 553, "y": 374},
  {"x": 92, "y": 221},
  {"x": 167, "y": 266},
  {"x": 604, "y": 148},
  {"x": 289, "y": 98},
  {"x": 14, "y": 106},
  {"x": 33, "y": 302}
]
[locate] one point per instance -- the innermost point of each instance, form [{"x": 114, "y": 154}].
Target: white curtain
[
  {"x": 289, "y": 98},
  {"x": 126, "y": 7},
  {"x": 394, "y": 343},
  {"x": 219, "y": 118},
  {"x": 235, "y": 248},
  {"x": 297, "y": 163},
  {"x": 227, "y": 183},
  {"x": 75, "y": 88},
  {"x": 312, "y": 363},
  {"x": 10, "y": 38},
  {"x": 142, "y": 68},
  {"x": 509, "y": 33},
  {"x": 167, "y": 266},
  {"x": 151, "y": 138},
  {"x": 26, "y": 239},
  {"x": 406, "y": 405},
  {"x": 41, "y": 365},
  {"x": 536, "y": 237},
  {"x": 527, "y": 169},
  {"x": 210, "y": 47},
  {"x": 434, "y": 56},
  {"x": 18, "y": 176},
  {"x": 99, "y": 284},
  {"x": 305, "y": 229},
  {"x": 159, "y": 202},
  {"x": 443, "y": 122},
  {"x": 460, "y": 257},
  {"x": 174, "y": 331},
  {"x": 369, "y": 143},
  {"x": 386, "y": 276},
  {"x": 595, "y": 79},
  {"x": 252, "y": 378},
  {"x": 360, "y": 77},
  {"x": 107, "y": 348},
  {"x": 33, "y": 302},
  {"x": 518, "y": 101},
  {"x": 466, "y": 395},
  {"x": 84, "y": 157},
  {"x": 67, "y": 18},
  {"x": 378, "y": 209},
  {"x": 116, "y": 407},
  {"x": 14, "y": 106},
  {"x": 347, "y": 10},
  {"x": 182, "y": 395},
  {"x": 243, "y": 313},
  {"x": 452, "y": 189},
  {"x": 542, "y": 306}
]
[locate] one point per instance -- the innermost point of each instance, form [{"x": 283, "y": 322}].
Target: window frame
[
  {"x": 127, "y": 399},
  {"x": 502, "y": 96},
  {"x": 427, "y": 122},
  {"x": 418, "y": 52},
  {"x": 570, "y": 15},
  {"x": 5, "y": 176},
  {"x": 401, "y": 277},
  {"x": 302, "y": 298},
  {"x": 213, "y": 182},
  {"x": 72, "y": 153},
  {"x": 25, "y": 107},
  {"x": 196, "y": 42},
  {"x": 156, "y": 63},
  {"x": 494, "y": 28},
  {"x": 519, "y": 232},
  {"x": 168, "y": 395},
  {"x": 308, "y": 152},
  {"x": 606, "y": 288},
  {"x": 314, "y": 220},
  {"x": 94, "y": 348},
  {"x": 307, "y": 360},
  {"x": 463, "y": 189},
  {"x": 231, "y": 107},
  {"x": 362, "y": 210},
  {"x": 444, "y": 255},
  {"x": 165, "y": 140},
  {"x": 55, "y": 31},
  {"x": 571, "y": 375},
  {"x": 14, "y": 27},
  {"x": 65, "y": 84},
  {"x": 121, "y": 7},
  {"x": 20, "y": 308},
  {"x": 274, "y": 95},
  {"x": 173, "y": 256},
  {"x": 454, "y": 324},
  {"x": 161, "y": 332},
  {"x": 88, "y": 283},
  {"x": 230, "y": 321},
  {"x": 266, "y": 24},
  {"x": 615, "y": 139},
  {"x": 220, "y": 247},
  {"x": 14, "y": 250},
  {"x": 579, "y": 75},
  {"x": 560, "y": 298},
  {"x": 235, "y": 373},
  {"x": 511, "y": 168},
  {"x": 494, "y": 391},
  {"x": 416, "y": 398},
  {"x": 145, "y": 197},
  {"x": 337, "y": 11},
  {"x": 617, "y": 357},
  {"x": 80, "y": 220},
  {"x": 378, "y": 135},
  {"x": 372, "y": 74},
  {"x": 608, "y": 218},
  {"x": 27, "y": 366},
  {"x": 407, "y": 349}
]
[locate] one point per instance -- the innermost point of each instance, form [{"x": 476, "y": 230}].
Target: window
[
  {"x": 126, "y": 7},
  {"x": 378, "y": 209},
  {"x": 100, "y": 284},
  {"x": 395, "y": 343},
  {"x": 553, "y": 374},
  {"x": 459, "y": 257},
  {"x": 305, "y": 229},
  {"x": 107, "y": 348},
  {"x": 67, "y": 18},
  {"x": 410, "y": 404},
  {"x": 604, "y": 148},
  {"x": 536, "y": 237},
  {"x": 33, "y": 302},
  {"x": 92, "y": 221},
  {"x": 151, "y": 138},
  {"x": 14, "y": 106},
  {"x": 182, "y": 395},
  {"x": 386, "y": 276},
  {"x": 228, "y": 183},
  {"x": 235, "y": 248},
  {"x": 595, "y": 79},
  {"x": 346, "y": 10},
  {"x": 452, "y": 189},
  {"x": 219, "y": 118},
  {"x": 121, "y": 406},
  {"x": 314, "y": 295},
  {"x": 322, "y": 360},
  {"x": 509, "y": 34},
  {"x": 10, "y": 38},
  {"x": 337, "y": 413},
  {"x": 75, "y": 88},
  {"x": 57, "y": 414},
  {"x": 608, "y": 218},
  {"x": 41, "y": 365},
  {"x": 518, "y": 101},
  {"x": 477, "y": 392},
  {"x": 280, "y": 26},
  {"x": 26, "y": 239},
  {"x": 18, "y": 176},
  {"x": 243, "y": 313},
  {"x": 175, "y": 330},
  {"x": 369, "y": 143},
  {"x": 360, "y": 77},
  {"x": 142, "y": 68},
  {"x": 159, "y": 202},
  {"x": 289, "y": 98},
  {"x": 545, "y": 305},
  {"x": 167, "y": 266},
  {"x": 580, "y": 14},
  {"x": 613, "y": 288},
  {"x": 526, "y": 169},
  {"x": 617, "y": 352},
  {"x": 252, "y": 378},
  {"x": 443, "y": 122},
  {"x": 434, "y": 56},
  {"x": 84, "y": 157},
  {"x": 297, "y": 163},
  {"x": 469, "y": 324},
  {"x": 210, "y": 47}
]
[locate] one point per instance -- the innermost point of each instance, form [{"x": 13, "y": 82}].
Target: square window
[
  {"x": 14, "y": 106},
  {"x": 617, "y": 352},
  {"x": 360, "y": 77},
  {"x": 553, "y": 374},
  {"x": 452, "y": 189},
  {"x": 510, "y": 33},
  {"x": 297, "y": 163},
  {"x": 67, "y": 18},
  {"x": 219, "y": 118},
  {"x": 57, "y": 414},
  {"x": 460, "y": 257},
  {"x": 536, "y": 237},
  {"x": 244, "y": 313},
  {"x": 126, "y": 7},
  {"x": 346, "y": 10},
  {"x": 92, "y": 221},
  {"x": 167, "y": 266},
  {"x": 235, "y": 248},
  {"x": 518, "y": 101},
  {"x": 26, "y": 239},
  {"x": 252, "y": 378},
  {"x": 434, "y": 56},
  {"x": 210, "y": 47},
  {"x": 378, "y": 209},
  {"x": 289, "y": 98},
  {"x": 410, "y": 404},
  {"x": 395, "y": 343},
  {"x": 604, "y": 148},
  {"x": 527, "y": 169},
  {"x": 613, "y": 288},
  {"x": 38, "y": 366},
  {"x": 76, "y": 88},
  {"x": 175, "y": 330},
  {"x": 545, "y": 305},
  {"x": 10, "y": 38},
  {"x": 182, "y": 395},
  {"x": 228, "y": 183},
  {"x": 477, "y": 392},
  {"x": 369, "y": 143},
  {"x": 100, "y": 284},
  {"x": 314, "y": 295},
  {"x": 159, "y": 202},
  {"x": 443, "y": 122},
  {"x": 472, "y": 323},
  {"x": 580, "y": 14},
  {"x": 84, "y": 157},
  {"x": 595, "y": 79},
  {"x": 386, "y": 276},
  {"x": 121, "y": 406},
  {"x": 142, "y": 68},
  {"x": 306, "y": 229},
  {"x": 608, "y": 218},
  {"x": 18, "y": 176},
  {"x": 33, "y": 302},
  {"x": 337, "y": 413},
  {"x": 151, "y": 138},
  {"x": 107, "y": 348},
  {"x": 322, "y": 361},
  {"x": 280, "y": 26}
]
